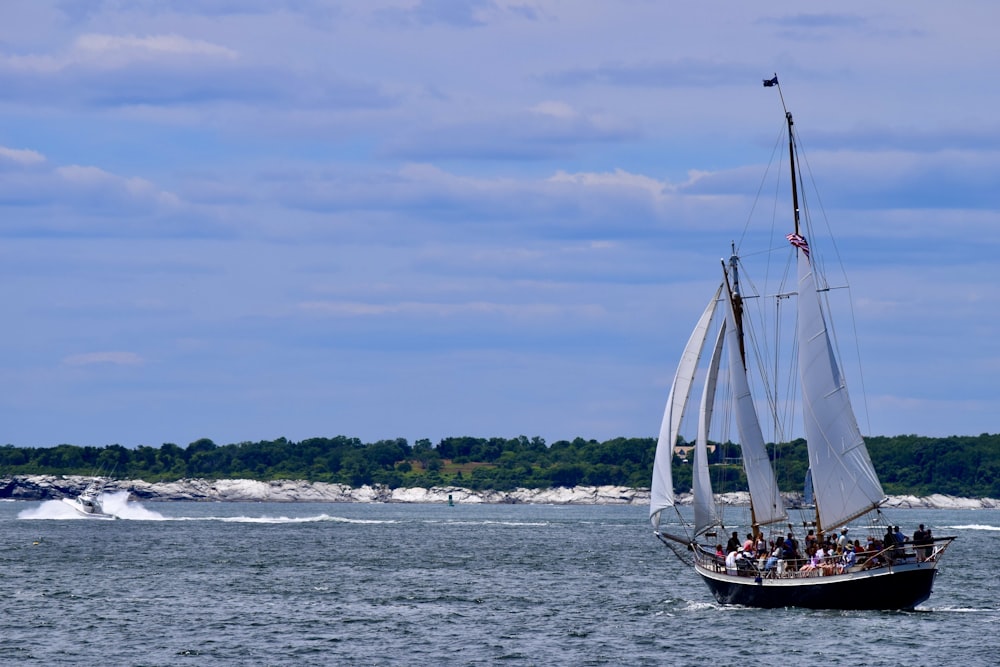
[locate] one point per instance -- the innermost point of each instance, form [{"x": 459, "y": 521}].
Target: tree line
[{"x": 967, "y": 466}]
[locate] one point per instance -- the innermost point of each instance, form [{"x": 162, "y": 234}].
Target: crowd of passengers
[{"x": 823, "y": 555}]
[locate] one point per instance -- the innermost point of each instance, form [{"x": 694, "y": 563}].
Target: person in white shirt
[{"x": 842, "y": 541}]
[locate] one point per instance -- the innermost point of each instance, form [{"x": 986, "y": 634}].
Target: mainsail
[
  {"x": 705, "y": 515},
  {"x": 764, "y": 497},
  {"x": 845, "y": 484},
  {"x": 661, "y": 493}
]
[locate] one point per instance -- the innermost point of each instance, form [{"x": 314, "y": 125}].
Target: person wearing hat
[
  {"x": 842, "y": 540},
  {"x": 847, "y": 560}
]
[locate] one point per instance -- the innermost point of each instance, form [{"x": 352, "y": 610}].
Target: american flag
[{"x": 799, "y": 242}]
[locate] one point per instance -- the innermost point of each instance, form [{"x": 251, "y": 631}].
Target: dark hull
[{"x": 899, "y": 588}]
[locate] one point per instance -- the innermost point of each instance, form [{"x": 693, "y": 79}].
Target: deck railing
[{"x": 767, "y": 568}]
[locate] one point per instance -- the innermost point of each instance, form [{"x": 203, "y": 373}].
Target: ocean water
[{"x": 392, "y": 584}]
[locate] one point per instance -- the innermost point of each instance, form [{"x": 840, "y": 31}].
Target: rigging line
[
  {"x": 843, "y": 271},
  {"x": 764, "y": 356},
  {"x": 791, "y": 381},
  {"x": 761, "y": 360},
  {"x": 757, "y": 319},
  {"x": 760, "y": 188},
  {"x": 777, "y": 194},
  {"x": 724, "y": 420},
  {"x": 786, "y": 400},
  {"x": 777, "y": 336},
  {"x": 861, "y": 372},
  {"x": 776, "y": 417},
  {"x": 767, "y": 264}
]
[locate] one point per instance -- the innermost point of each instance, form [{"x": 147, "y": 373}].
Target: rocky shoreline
[{"x": 51, "y": 487}]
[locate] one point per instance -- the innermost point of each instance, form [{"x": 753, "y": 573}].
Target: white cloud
[
  {"x": 151, "y": 44},
  {"x": 619, "y": 178},
  {"x": 109, "y": 358},
  {"x": 87, "y": 181},
  {"x": 116, "y": 51},
  {"x": 517, "y": 310},
  {"x": 22, "y": 156},
  {"x": 555, "y": 109}
]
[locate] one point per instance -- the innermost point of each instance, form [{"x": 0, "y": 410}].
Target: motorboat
[{"x": 89, "y": 503}]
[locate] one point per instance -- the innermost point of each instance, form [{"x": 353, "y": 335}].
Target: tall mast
[
  {"x": 733, "y": 293},
  {"x": 736, "y": 298},
  {"x": 795, "y": 194},
  {"x": 791, "y": 163},
  {"x": 773, "y": 82}
]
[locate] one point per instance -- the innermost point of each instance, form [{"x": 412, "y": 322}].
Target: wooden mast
[
  {"x": 791, "y": 163},
  {"x": 795, "y": 210},
  {"x": 735, "y": 298}
]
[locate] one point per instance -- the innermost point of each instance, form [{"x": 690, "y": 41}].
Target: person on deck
[
  {"x": 875, "y": 556},
  {"x": 919, "y": 542},
  {"x": 731, "y": 563},
  {"x": 928, "y": 545},
  {"x": 847, "y": 561},
  {"x": 889, "y": 544},
  {"x": 859, "y": 552},
  {"x": 828, "y": 564},
  {"x": 900, "y": 543},
  {"x": 811, "y": 539},
  {"x": 842, "y": 540},
  {"x": 790, "y": 550},
  {"x": 772, "y": 560}
]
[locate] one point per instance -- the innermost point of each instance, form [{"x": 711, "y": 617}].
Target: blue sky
[{"x": 248, "y": 219}]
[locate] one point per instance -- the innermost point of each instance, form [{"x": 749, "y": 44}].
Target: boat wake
[
  {"x": 278, "y": 519},
  {"x": 298, "y": 519},
  {"x": 486, "y": 522},
  {"x": 115, "y": 503}
]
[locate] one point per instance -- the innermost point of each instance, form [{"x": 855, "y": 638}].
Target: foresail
[
  {"x": 661, "y": 493},
  {"x": 767, "y": 504},
  {"x": 705, "y": 515},
  {"x": 845, "y": 484}
]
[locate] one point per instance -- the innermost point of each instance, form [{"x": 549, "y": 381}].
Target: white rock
[{"x": 49, "y": 486}]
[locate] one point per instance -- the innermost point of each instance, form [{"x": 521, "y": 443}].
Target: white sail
[
  {"x": 764, "y": 497},
  {"x": 845, "y": 484},
  {"x": 661, "y": 493},
  {"x": 705, "y": 515}
]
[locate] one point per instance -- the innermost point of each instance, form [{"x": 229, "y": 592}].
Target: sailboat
[
  {"x": 807, "y": 492},
  {"x": 784, "y": 562}
]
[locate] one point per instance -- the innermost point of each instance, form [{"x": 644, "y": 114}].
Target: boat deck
[{"x": 887, "y": 559}]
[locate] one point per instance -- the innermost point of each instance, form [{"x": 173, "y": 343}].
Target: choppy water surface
[{"x": 323, "y": 584}]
